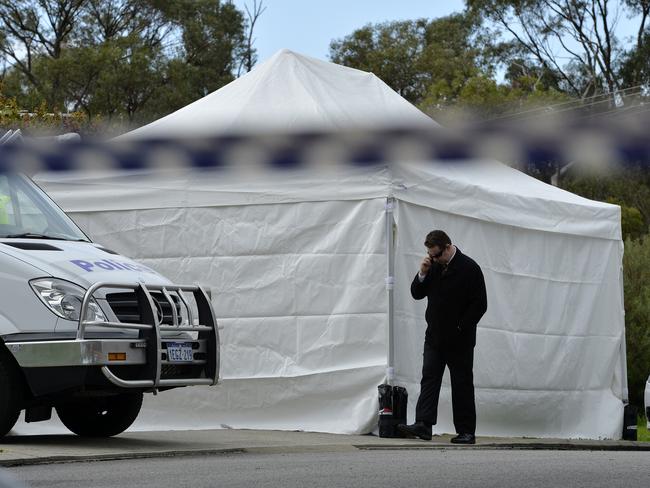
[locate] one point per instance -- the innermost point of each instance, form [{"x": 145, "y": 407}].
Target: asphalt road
[{"x": 357, "y": 469}]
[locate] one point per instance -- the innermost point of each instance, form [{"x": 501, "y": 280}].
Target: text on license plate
[{"x": 179, "y": 352}]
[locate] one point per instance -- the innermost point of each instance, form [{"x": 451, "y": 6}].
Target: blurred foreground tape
[{"x": 589, "y": 144}]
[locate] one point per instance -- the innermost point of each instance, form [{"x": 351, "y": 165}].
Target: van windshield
[{"x": 27, "y": 212}]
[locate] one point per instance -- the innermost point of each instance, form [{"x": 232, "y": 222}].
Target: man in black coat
[{"x": 455, "y": 289}]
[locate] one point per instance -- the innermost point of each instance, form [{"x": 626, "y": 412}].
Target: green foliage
[
  {"x": 642, "y": 429},
  {"x": 635, "y": 67},
  {"x": 424, "y": 61},
  {"x": 444, "y": 64},
  {"x": 119, "y": 60},
  {"x": 636, "y": 277},
  {"x": 393, "y": 51},
  {"x": 213, "y": 43},
  {"x": 40, "y": 120},
  {"x": 632, "y": 224},
  {"x": 629, "y": 188},
  {"x": 482, "y": 97},
  {"x": 573, "y": 41}
]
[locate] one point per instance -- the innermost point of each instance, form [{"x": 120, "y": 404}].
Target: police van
[{"x": 85, "y": 330}]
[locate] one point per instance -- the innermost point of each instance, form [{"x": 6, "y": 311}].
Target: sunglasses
[{"x": 437, "y": 255}]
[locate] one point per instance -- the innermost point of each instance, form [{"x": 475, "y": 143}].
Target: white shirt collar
[{"x": 452, "y": 256}]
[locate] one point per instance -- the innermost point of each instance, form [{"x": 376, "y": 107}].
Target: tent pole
[
  {"x": 390, "y": 280},
  {"x": 623, "y": 354}
]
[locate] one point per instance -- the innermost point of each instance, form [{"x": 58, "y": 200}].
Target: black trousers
[{"x": 460, "y": 362}]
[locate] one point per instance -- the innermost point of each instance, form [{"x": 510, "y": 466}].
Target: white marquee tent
[{"x": 297, "y": 262}]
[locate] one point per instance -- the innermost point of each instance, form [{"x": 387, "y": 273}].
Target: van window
[{"x": 26, "y": 211}]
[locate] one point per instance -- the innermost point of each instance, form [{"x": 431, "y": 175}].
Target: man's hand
[{"x": 425, "y": 265}]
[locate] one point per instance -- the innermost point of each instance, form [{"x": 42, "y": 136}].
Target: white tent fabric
[
  {"x": 297, "y": 263},
  {"x": 548, "y": 359}
]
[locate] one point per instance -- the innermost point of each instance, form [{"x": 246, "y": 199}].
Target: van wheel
[
  {"x": 10, "y": 394},
  {"x": 101, "y": 416}
]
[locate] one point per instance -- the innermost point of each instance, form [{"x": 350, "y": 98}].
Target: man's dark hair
[{"x": 437, "y": 238}]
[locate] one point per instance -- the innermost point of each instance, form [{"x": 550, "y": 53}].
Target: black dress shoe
[
  {"x": 418, "y": 429},
  {"x": 464, "y": 439}
]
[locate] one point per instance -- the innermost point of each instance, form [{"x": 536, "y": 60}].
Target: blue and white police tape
[{"x": 590, "y": 145}]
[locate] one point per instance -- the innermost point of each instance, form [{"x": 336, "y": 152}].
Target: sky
[{"x": 308, "y": 26}]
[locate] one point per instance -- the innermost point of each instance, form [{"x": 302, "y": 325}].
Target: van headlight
[{"x": 64, "y": 299}]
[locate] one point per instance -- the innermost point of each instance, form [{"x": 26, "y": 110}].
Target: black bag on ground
[
  {"x": 393, "y": 401},
  {"x": 629, "y": 423}
]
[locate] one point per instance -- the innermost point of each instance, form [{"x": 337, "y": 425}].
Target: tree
[
  {"x": 103, "y": 58},
  {"x": 444, "y": 65},
  {"x": 628, "y": 187},
  {"x": 107, "y": 20},
  {"x": 250, "y": 58},
  {"x": 576, "y": 40},
  {"x": 393, "y": 51},
  {"x": 461, "y": 62},
  {"x": 122, "y": 59},
  {"x": 635, "y": 66},
  {"x": 37, "y": 28},
  {"x": 213, "y": 42},
  {"x": 421, "y": 59}
]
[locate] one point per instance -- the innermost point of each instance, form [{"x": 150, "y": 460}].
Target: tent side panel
[
  {"x": 299, "y": 289},
  {"x": 548, "y": 348}
]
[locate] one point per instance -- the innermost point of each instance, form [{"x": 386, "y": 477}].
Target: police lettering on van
[{"x": 110, "y": 265}]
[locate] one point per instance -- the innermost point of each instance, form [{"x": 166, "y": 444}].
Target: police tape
[{"x": 593, "y": 145}]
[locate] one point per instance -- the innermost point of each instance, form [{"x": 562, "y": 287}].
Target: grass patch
[{"x": 642, "y": 433}]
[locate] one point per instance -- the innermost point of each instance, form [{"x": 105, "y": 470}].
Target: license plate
[{"x": 179, "y": 352}]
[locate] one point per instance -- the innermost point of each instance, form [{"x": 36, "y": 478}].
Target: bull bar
[{"x": 150, "y": 329}]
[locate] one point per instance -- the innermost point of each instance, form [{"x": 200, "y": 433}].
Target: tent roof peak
[{"x": 291, "y": 92}]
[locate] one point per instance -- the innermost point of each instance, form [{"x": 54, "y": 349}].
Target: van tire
[
  {"x": 100, "y": 416},
  {"x": 11, "y": 394}
]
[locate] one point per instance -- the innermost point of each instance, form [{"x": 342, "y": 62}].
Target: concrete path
[{"x": 24, "y": 450}]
